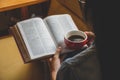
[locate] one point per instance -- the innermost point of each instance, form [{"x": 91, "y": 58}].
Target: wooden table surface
[
  {"x": 12, "y": 4},
  {"x": 12, "y": 66}
]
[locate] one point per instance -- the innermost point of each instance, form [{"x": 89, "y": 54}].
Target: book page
[
  {"x": 59, "y": 26},
  {"x": 36, "y": 37}
]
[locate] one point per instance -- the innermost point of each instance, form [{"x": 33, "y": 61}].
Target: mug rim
[{"x": 76, "y": 31}]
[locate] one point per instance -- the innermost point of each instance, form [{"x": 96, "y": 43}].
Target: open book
[{"x": 38, "y": 38}]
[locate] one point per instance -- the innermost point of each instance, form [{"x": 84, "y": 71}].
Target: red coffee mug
[{"x": 75, "y": 39}]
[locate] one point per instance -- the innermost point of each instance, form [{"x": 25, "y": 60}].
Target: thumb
[{"x": 57, "y": 53}]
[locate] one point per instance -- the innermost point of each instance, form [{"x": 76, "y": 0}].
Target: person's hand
[
  {"x": 54, "y": 63},
  {"x": 91, "y": 37}
]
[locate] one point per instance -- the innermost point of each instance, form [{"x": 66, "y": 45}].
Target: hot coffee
[{"x": 76, "y": 38}]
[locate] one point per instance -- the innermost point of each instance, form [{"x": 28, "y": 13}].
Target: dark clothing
[
  {"x": 82, "y": 66},
  {"x": 106, "y": 17}
]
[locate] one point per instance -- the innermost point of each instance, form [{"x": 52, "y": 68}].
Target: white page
[
  {"x": 36, "y": 37},
  {"x": 60, "y": 25}
]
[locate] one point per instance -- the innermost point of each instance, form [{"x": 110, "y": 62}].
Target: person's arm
[
  {"x": 55, "y": 64},
  {"x": 55, "y": 61}
]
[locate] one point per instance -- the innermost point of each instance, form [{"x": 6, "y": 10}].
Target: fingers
[
  {"x": 90, "y": 34},
  {"x": 50, "y": 59},
  {"x": 91, "y": 37},
  {"x": 54, "y": 62},
  {"x": 57, "y": 53}
]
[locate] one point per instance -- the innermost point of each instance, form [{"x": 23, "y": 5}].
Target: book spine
[{"x": 20, "y": 44}]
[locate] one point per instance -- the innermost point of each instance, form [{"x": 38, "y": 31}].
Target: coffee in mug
[{"x": 75, "y": 39}]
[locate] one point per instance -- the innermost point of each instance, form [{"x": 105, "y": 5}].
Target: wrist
[{"x": 53, "y": 75}]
